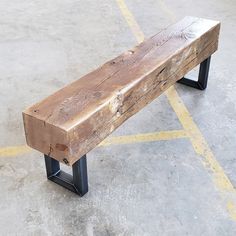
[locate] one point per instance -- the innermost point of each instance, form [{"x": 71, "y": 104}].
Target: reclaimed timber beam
[{"x": 74, "y": 120}]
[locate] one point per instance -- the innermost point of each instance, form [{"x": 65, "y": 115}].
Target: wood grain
[{"x": 74, "y": 120}]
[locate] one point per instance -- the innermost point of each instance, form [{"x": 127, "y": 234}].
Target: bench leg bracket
[
  {"x": 77, "y": 183},
  {"x": 202, "y": 77}
]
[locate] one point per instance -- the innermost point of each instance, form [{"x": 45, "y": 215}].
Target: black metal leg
[
  {"x": 202, "y": 77},
  {"x": 78, "y": 183}
]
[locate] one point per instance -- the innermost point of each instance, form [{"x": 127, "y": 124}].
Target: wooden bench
[{"x": 68, "y": 124}]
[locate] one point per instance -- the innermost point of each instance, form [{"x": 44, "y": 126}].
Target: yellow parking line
[
  {"x": 130, "y": 20},
  {"x": 13, "y": 151},
  {"x": 148, "y": 137},
  {"x": 201, "y": 147},
  {"x": 199, "y": 143}
]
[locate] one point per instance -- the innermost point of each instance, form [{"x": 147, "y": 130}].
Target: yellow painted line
[
  {"x": 199, "y": 143},
  {"x": 201, "y": 147},
  {"x": 14, "y": 151},
  {"x": 148, "y": 137},
  {"x": 137, "y": 32},
  {"x": 231, "y": 209}
]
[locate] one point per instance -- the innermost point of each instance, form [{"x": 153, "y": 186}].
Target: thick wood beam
[{"x": 74, "y": 120}]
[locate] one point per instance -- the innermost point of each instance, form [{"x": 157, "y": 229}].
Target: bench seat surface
[{"x": 72, "y": 121}]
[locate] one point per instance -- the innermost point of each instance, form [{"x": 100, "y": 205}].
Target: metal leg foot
[
  {"x": 202, "y": 77},
  {"x": 78, "y": 183}
]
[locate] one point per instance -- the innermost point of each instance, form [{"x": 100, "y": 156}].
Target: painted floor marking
[
  {"x": 13, "y": 151},
  {"x": 147, "y": 137}
]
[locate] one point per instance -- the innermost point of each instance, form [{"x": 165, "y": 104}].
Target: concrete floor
[{"x": 148, "y": 188}]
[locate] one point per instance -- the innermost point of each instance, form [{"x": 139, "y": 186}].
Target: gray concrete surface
[{"x": 157, "y": 188}]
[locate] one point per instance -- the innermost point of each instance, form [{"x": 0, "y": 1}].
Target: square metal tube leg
[
  {"x": 202, "y": 77},
  {"x": 77, "y": 183}
]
